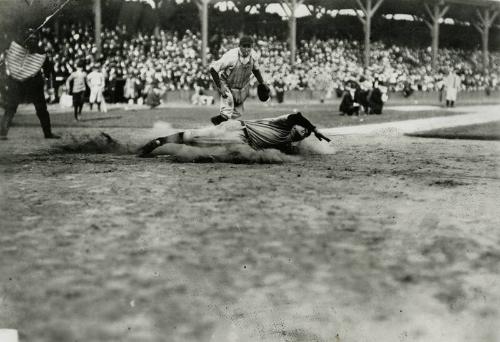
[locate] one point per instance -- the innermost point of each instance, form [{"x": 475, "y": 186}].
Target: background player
[
  {"x": 77, "y": 82},
  {"x": 231, "y": 75},
  {"x": 452, "y": 85},
  {"x": 95, "y": 81}
]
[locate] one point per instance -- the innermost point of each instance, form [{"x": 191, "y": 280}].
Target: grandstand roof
[
  {"x": 463, "y": 10},
  {"x": 458, "y": 9}
]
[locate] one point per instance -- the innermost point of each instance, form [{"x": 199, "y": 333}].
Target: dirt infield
[{"x": 390, "y": 238}]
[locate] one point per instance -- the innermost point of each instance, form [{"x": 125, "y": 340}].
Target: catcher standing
[
  {"x": 25, "y": 82},
  {"x": 231, "y": 75}
]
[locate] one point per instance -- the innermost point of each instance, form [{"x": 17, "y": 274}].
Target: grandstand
[{"x": 169, "y": 43}]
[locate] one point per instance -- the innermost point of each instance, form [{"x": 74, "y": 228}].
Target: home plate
[{"x": 414, "y": 108}]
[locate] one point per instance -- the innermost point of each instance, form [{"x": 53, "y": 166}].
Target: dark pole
[{"x": 97, "y": 25}]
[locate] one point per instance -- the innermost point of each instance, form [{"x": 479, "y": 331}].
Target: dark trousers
[
  {"x": 30, "y": 90},
  {"x": 78, "y": 100},
  {"x": 280, "y": 96}
]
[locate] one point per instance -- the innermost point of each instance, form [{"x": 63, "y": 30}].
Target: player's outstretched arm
[
  {"x": 320, "y": 136},
  {"x": 258, "y": 76},
  {"x": 299, "y": 119}
]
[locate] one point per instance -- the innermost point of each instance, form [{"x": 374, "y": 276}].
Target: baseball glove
[{"x": 263, "y": 92}]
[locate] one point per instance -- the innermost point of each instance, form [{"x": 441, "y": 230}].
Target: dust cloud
[{"x": 228, "y": 153}]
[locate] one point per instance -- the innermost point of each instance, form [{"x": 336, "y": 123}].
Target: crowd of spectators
[{"x": 135, "y": 65}]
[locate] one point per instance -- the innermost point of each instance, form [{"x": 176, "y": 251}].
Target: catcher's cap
[
  {"x": 263, "y": 92},
  {"x": 246, "y": 41}
]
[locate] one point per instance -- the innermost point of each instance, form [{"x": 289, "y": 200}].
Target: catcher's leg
[{"x": 177, "y": 138}]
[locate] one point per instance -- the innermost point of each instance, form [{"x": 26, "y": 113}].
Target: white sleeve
[
  {"x": 225, "y": 61},
  {"x": 255, "y": 58}
]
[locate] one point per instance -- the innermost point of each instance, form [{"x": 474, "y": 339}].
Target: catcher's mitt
[{"x": 263, "y": 92}]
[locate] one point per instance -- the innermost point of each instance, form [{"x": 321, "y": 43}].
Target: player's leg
[
  {"x": 80, "y": 102},
  {"x": 99, "y": 100},
  {"x": 13, "y": 96},
  {"x": 92, "y": 97},
  {"x": 8, "y": 115},
  {"x": 227, "y": 107},
  {"x": 229, "y": 132},
  {"x": 35, "y": 88},
  {"x": 75, "y": 105},
  {"x": 177, "y": 138}
]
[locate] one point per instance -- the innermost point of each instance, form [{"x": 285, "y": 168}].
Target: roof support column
[
  {"x": 203, "y": 12},
  {"x": 368, "y": 11},
  {"x": 486, "y": 19},
  {"x": 97, "y": 26},
  {"x": 292, "y": 25},
  {"x": 437, "y": 12}
]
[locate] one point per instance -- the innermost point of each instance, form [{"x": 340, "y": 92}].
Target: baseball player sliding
[
  {"x": 231, "y": 75},
  {"x": 278, "y": 133}
]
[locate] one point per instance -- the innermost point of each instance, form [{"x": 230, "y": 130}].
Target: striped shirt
[
  {"x": 276, "y": 132},
  {"x": 21, "y": 64}
]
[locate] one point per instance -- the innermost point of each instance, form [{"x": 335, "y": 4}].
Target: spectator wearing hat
[{"x": 231, "y": 75}]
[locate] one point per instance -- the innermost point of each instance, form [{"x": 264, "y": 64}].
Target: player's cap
[{"x": 246, "y": 41}]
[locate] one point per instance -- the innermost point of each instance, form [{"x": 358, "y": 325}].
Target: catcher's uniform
[{"x": 235, "y": 72}]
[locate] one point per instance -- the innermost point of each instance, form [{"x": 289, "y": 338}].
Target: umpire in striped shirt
[{"x": 24, "y": 83}]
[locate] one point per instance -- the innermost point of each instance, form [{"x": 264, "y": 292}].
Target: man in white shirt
[
  {"x": 95, "y": 81},
  {"x": 231, "y": 75},
  {"x": 452, "y": 85}
]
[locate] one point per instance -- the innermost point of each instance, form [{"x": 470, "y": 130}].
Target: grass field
[
  {"x": 487, "y": 131},
  {"x": 383, "y": 238},
  {"x": 187, "y": 117}
]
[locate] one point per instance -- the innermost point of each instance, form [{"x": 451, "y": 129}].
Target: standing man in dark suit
[
  {"x": 376, "y": 98},
  {"x": 25, "y": 82},
  {"x": 350, "y": 104}
]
